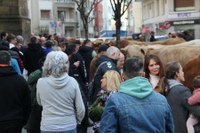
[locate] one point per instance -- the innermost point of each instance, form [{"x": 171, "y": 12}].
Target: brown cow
[
  {"x": 171, "y": 41},
  {"x": 191, "y": 70},
  {"x": 132, "y": 50},
  {"x": 183, "y": 52}
]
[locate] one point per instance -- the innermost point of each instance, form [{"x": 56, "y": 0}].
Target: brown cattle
[
  {"x": 193, "y": 42},
  {"x": 132, "y": 50},
  {"x": 181, "y": 52},
  {"x": 171, "y": 41},
  {"x": 191, "y": 70}
]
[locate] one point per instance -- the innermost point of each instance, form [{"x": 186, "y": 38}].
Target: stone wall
[{"x": 14, "y": 18}]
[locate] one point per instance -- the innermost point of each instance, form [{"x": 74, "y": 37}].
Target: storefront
[
  {"x": 192, "y": 26},
  {"x": 186, "y": 21}
]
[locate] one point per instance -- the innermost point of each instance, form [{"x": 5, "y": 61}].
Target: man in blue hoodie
[{"x": 136, "y": 108}]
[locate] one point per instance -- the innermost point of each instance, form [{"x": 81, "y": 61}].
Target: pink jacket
[{"x": 195, "y": 98}]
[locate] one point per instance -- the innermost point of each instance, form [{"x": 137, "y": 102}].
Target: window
[
  {"x": 184, "y": 5},
  {"x": 61, "y": 15},
  {"x": 45, "y": 14}
]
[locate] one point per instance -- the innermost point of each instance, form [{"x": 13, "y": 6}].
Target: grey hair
[
  {"x": 56, "y": 64},
  {"x": 111, "y": 50}
]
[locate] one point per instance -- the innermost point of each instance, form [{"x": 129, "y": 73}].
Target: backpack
[{"x": 91, "y": 83}]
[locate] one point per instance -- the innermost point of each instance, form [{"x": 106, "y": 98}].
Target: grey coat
[{"x": 177, "y": 99}]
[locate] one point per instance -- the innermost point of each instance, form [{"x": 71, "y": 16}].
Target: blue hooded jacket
[{"x": 136, "y": 108}]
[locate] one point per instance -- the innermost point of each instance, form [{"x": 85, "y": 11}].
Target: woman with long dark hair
[{"x": 154, "y": 71}]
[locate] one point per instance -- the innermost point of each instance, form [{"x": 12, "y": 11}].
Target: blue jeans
[{"x": 70, "y": 131}]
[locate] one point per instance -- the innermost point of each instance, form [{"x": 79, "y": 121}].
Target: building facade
[
  {"x": 57, "y": 16},
  {"x": 98, "y": 19},
  {"x": 134, "y": 18},
  {"x": 164, "y": 16}
]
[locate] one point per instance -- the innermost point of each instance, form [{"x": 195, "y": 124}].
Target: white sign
[{"x": 183, "y": 15}]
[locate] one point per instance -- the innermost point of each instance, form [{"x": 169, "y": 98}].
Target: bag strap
[{"x": 99, "y": 67}]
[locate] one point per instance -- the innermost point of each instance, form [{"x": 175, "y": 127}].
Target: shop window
[
  {"x": 184, "y": 5},
  {"x": 45, "y": 14}
]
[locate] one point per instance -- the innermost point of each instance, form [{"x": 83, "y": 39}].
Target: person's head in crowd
[
  {"x": 58, "y": 38},
  {"x": 4, "y": 36},
  {"x": 110, "y": 81},
  {"x": 4, "y": 46},
  {"x": 56, "y": 64},
  {"x": 34, "y": 40},
  {"x": 153, "y": 66},
  {"x": 174, "y": 70},
  {"x": 12, "y": 39},
  {"x": 154, "y": 72},
  {"x": 152, "y": 33},
  {"x": 78, "y": 44},
  {"x": 49, "y": 44},
  {"x": 5, "y": 58},
  {"x": 50, "y": 37},
  {"x": 42, "y": 41},
  {"x": 72, "y": 48},
  {"x": 196, "y": 82},
  {"x": 20, "y": 42},
  {"x": 133, "y": 67},
  {"x": 169, "y": 35},
  {"x": 113, "y": 52},
  {"x": 102, "y": 48},
  {"x": 173, "y": 35},
  {"x": 63, "y": 46},
  {"x": 87, "y": 42},
  {"x": 120, "y": 61}
]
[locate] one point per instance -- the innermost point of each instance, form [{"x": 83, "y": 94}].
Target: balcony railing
[{"x": 63, "y": 1}]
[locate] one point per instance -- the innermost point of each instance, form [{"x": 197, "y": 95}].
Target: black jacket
[
  {"x": 79, "y": 73},
  {"x": 32, "y": 56},
  {"x": 15, "y": 99},
  {"x": 86, "y": 53},
  {"x": 109, "y": 65}
]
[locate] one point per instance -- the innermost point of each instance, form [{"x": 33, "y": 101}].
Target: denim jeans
[{"x": 70, "y": 131}]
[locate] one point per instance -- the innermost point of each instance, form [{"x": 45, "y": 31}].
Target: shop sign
[
  {"x": 165, "y": 25},
  {"x": 183, "y": 15},
  {"x": 186, "y": 22}
]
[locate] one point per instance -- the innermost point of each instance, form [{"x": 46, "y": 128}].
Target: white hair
[
  {"x": 111, "y": 50},
  {"x": 56, "y": 64}
]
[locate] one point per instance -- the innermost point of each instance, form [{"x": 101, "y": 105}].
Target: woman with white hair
[{"x": 59, "y": 95}]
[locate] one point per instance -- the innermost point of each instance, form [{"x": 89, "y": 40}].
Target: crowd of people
[{"x": 45, "y": 88}]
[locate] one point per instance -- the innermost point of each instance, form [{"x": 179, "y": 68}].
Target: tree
[
  {"x": 119, "y": 7},
  {"x": 85, "y": 7}
]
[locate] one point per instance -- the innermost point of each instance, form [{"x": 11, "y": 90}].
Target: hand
[{"x": 77, "y": 63}]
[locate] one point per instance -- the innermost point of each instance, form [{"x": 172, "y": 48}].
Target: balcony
[
  {"x": 70, "y": 24},
  {"x": 64, "y": 3}
]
